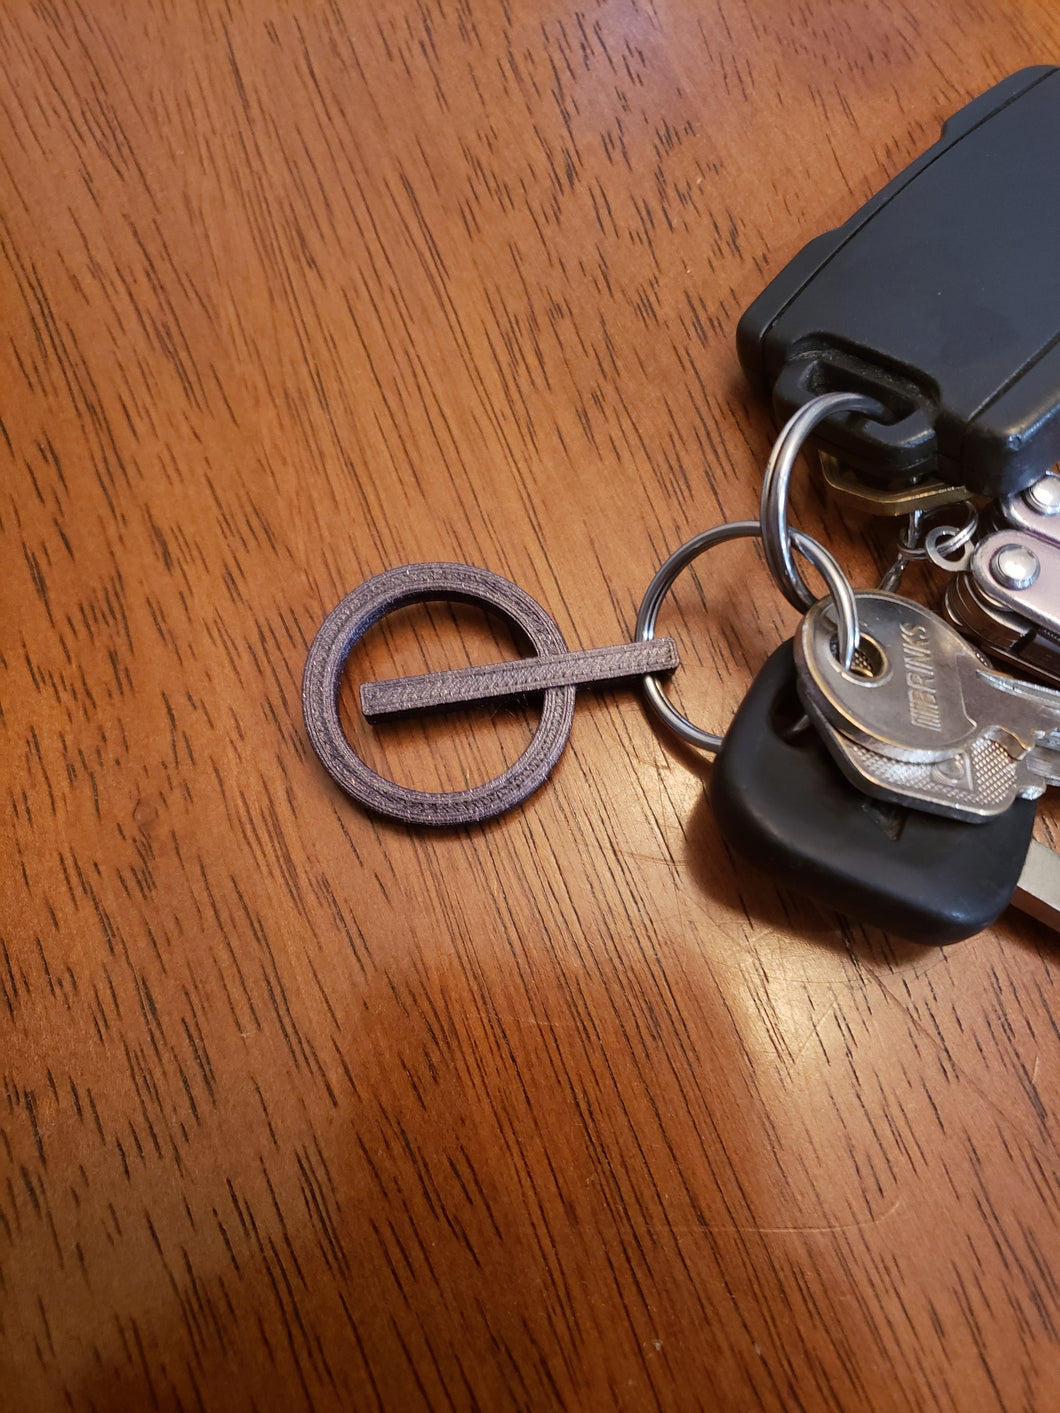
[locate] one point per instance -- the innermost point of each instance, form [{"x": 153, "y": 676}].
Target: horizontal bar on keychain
[{"x": 403, "y": 696}]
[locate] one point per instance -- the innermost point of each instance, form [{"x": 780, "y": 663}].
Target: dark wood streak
[{"x": 305, "y": 1110}]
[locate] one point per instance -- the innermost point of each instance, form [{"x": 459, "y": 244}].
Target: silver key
[
  {"x": 980, "y": 781},
  {"x": 920, "y": 694}
]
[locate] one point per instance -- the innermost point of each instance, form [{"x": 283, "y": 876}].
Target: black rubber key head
[
  {"x": 941, "y": 298},
  {"x": 785, "y": 806}
]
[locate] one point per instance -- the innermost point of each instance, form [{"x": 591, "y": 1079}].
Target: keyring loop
[
  {"x": 944, "y": 542},
  {"x": 776, "y": 535},
  {"x": 822, "y": 560},
  {"x": 938, "y": 545}
]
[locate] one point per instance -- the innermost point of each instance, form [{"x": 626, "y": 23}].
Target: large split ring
[
  {"x": 776, "y": 535},
  {"x": 822, "y": 560}
]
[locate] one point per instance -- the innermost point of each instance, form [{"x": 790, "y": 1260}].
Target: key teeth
[
  {"x": 983, "y": 786},
  {"x": 1044, "y": 764}
]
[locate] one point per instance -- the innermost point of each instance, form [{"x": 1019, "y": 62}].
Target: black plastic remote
[
  {"x": 941, "y": 298},
  {"x": 782, "y": 802}
]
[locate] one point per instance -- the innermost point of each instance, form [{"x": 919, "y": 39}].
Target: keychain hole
[
  {"x": 869, "y": 662},
  {"x": 840, "y": 366}
]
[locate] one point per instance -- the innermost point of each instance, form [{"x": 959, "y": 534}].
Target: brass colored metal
[{"x": 849, "y": 490}]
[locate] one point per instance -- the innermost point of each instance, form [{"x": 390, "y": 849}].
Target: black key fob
[
  {"x": 781, "y": 801},
  {"x": 941, "y": 298}
]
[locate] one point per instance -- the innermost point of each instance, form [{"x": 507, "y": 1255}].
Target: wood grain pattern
[{"x": 305, "y": 1110}]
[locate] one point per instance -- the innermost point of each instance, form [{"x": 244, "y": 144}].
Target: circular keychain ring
[
  {"x": 944, "y": 542},
  {"x": 776, "y": 533},
  {"x": 822, "y": 560}
]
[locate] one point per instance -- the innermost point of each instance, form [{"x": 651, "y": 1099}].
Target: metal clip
[
  {"x": 1009, "y": 600},
  {"x": 1036, "y": 509}
]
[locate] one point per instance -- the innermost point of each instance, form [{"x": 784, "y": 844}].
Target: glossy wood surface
[{"x": 304, "y": 1109}]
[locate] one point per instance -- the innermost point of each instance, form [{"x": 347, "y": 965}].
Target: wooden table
[{"x": 303, "y": 1108}]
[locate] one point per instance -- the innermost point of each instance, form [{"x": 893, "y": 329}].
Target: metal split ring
[
  {"x": 939, "y": 545},
  {"x": 822, "y": 560},
  {"x": 777, "y": 537},
  {"x": 952, "y": 548}
]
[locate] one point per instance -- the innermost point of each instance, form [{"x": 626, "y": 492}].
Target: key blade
[
  {"x": 1026, "y": 717},
  {"x": 1041, "y": 704},
  {"x": 1042, "y": 763},
  {"x": 1038, "y": 890},
  {"x": 977, "y": 784}
]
